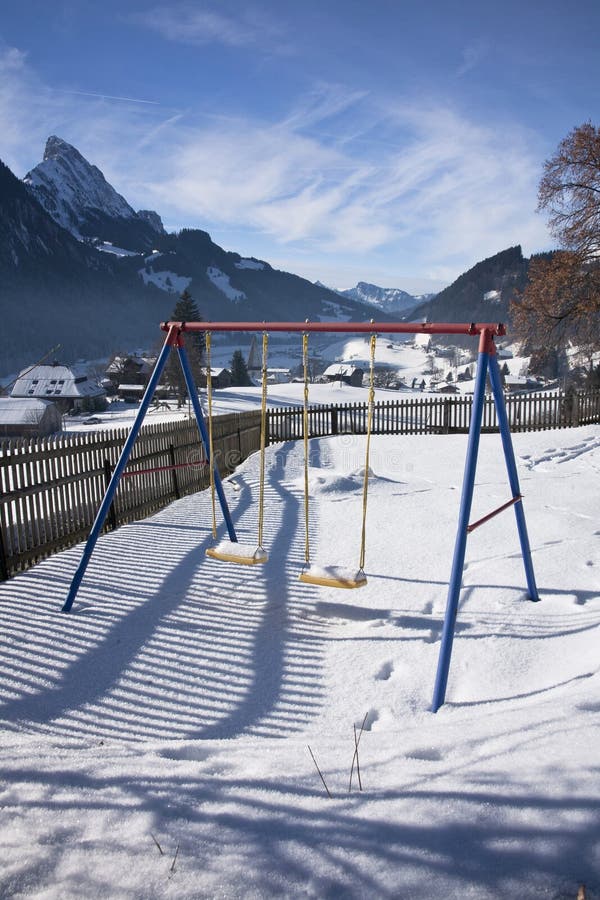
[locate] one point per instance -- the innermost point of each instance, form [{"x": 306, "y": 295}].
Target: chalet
[
  {"x": 134, "y": 369},
  {"x": 70, "y": 387},
  {"x": 279, "y": 376},
  {"x": 219, "y": 376},
  {"x": 345, "y": 373},
  {"x": 20, "y": 417},
  {"x": 516, "y": 383}
]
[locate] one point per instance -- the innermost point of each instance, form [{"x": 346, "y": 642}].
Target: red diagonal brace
[{"x": 491, "y": 515}]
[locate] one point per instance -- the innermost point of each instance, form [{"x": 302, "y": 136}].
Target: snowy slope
[{"x": 155, "y": 742}]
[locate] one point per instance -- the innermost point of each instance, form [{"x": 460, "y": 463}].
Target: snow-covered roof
[
  {"x": 56, "y": 383},
  {"x": 21, "y": 411},
  {"x": 345, "y": 369},
  {"x": 145, "y": 364}
]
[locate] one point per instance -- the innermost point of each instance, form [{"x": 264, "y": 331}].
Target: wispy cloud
[
  {"x": 473, "y": 55},
  {"x": 202, "y": 24},
  {"x": 335, "y": 177}
]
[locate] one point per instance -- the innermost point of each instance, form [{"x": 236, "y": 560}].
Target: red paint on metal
[
  {"x": 164, "y": 468},
  {"x": 471, "y": 328},
  {"x": 491, "y": 515}
]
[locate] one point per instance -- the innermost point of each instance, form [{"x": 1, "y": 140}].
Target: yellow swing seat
[
  {"x": 333, "y": 576},
  {"x": 235, "y": 552}
]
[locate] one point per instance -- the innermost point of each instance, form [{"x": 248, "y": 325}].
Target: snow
[
  {"x": 107, "y": 247},
  {"x": 493, "y": 296},
  {"x": 249, "y": 264},
  {"x": 221, "y": 280},
  {"x": 166, "y": 281},
  {"x": 155, "y": 742}
]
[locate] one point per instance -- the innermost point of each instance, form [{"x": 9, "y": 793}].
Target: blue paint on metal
[
  {"x": 116, "y": 475},
  {"x": 441, "y": 679},
  {"x": 193, "y": 395},
  {"x": 513, "y": 477}
]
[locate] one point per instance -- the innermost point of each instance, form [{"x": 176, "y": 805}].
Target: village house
[
  {"x": 219, "y": 376},
  {"x": 345, "y": 373},
  {"x": 70, "y": 387},
  {"x": 128, "y": 370},
  {"x": 20, "y": 417}
]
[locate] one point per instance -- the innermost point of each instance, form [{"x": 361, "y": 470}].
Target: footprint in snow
[{"x": 385, "y": 672}]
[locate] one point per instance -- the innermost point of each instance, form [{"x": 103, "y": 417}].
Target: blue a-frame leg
[
  {"x": 487, "y": 362},
  {"x": 173, "y": 339}
]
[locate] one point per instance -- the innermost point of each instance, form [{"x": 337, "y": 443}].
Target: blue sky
[{"x": 392, "y": 142}]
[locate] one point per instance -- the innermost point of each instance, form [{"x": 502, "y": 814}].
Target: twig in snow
[
  {"x": 320, "y": 773},
  {"x": 172, "y": 869},
  {"x": 160, "y": 849},
  {"x": 355, "y": 757}
]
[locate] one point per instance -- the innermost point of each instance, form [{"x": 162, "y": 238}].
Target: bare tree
[{"x": 562, "y": 299}]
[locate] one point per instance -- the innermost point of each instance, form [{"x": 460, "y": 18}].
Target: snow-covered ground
[{"x": 155, "y": 741}]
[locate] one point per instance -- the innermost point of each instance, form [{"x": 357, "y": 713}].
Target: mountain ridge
[
  {"x": 78, "y": 197},
  {"x": 59, "y": 286}
]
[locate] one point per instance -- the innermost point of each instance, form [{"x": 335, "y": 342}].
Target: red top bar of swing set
[{"x": 472, "y": 328}]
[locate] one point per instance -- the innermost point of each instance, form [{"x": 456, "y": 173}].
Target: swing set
[{"x": 237, "y": 552}]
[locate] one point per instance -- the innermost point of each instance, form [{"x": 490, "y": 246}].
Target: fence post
[
  {"x": 112, "y": 513},
  {"x": 575, "y": 409},
  {"x": 334, "y": 420},
  {"x": 174, "y": 472},
  {"x": 447, "y": 415},
  {"x": 3, "y": 560}
]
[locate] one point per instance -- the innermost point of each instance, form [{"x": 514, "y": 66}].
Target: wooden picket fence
[
  {"x": 51, "y": 488},
  {"x": 438, "y": 415}
]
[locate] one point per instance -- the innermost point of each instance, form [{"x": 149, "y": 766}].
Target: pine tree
[
  {"x": 186, "y": 311},
  {"x": 239, "y": 370}
]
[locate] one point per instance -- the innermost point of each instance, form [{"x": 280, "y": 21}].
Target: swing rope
[
  {"x": 234, "y": 551},
  {"x": 335, "y": 576},
  {"x": 305, "y": 433},
  {"x": 210, "y": 433},
  {"x": 263, "y": 440},
  {"x": 371, "y": 403}
]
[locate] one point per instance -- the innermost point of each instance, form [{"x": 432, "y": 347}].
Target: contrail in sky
[{"x": 109, "y": 97}]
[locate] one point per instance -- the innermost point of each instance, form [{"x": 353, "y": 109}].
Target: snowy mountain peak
[
  {"x": 79, "y": 198},
  {"x": 389, "y": 300}
]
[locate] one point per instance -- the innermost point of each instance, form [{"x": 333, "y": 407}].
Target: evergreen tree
[
  {"x": 186, "y": 311},
  {"x": 239, "y": 370}
]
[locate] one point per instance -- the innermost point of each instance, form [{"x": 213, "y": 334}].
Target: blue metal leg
[
  {"x": 193, "y": 395},
  {"x": 116, "y": 475},
  {"x": 441, "y": 680},
  {"x": 513, "y": 477}
]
